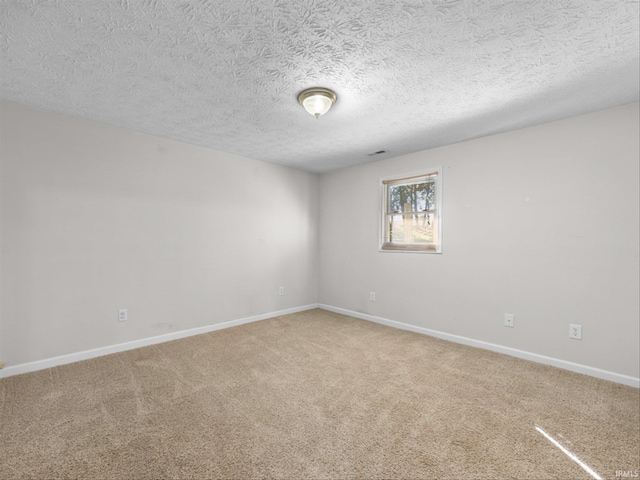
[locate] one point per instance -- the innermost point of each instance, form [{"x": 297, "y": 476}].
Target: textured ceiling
[{"x": 410, "y": 75}]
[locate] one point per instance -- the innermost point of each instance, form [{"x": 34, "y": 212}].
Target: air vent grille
[{"x": 379, "y": 152}]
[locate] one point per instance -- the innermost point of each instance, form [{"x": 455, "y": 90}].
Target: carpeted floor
[{"x": 314, "y": 395}]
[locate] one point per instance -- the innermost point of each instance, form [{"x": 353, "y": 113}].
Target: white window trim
[{"x": 382, "y": 210}]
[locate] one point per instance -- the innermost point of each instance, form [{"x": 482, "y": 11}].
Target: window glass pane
[
  {"x": 412, "y": 228},
  {"x": 417, "y": 197}
]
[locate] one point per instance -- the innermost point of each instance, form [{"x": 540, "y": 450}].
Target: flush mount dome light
[{"x": 317, "y": 101}]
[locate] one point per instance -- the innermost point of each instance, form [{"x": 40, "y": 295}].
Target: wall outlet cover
[
  {"x": 508, "y": 320},
  {"x": 575, "y": 331}
]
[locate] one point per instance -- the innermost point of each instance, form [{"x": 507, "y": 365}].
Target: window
[{"x": 411, "y": 216}]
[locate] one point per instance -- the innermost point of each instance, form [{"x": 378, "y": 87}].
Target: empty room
[{"x": 319, "y": 240}]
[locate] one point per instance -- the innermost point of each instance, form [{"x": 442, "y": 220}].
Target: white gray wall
[
  {"x": 540, "y": 222},
  {"x": 96, "y": 218}
]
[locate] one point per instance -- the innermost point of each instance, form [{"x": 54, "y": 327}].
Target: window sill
[{"x": 400, "y": 248}]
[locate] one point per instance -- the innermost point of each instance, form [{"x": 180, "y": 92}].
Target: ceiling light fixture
[{"x": 317, "y": 101}]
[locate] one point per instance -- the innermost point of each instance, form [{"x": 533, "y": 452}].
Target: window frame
[{"x": 383, "y": 207}]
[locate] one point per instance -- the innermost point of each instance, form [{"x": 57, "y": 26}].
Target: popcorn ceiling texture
[{"x": 409, "y": 75}]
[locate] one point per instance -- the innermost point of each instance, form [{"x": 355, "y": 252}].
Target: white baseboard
[
  {"x": 534, "y": 357},
  {"x": 121, "y": 347}
]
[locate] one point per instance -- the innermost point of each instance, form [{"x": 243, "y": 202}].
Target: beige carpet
[{"x": 313, "y": 395}]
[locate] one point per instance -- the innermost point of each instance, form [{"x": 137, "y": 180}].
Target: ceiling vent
[{"x": 379, "y": 152}]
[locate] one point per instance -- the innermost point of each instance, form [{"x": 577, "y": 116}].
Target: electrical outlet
[
  {"x": 281, "y": 291},
  {"x": 123, "y": 315},
  {"x": 508, "y": 320},
  {"x": 575, "y": 331},
  {"x": 372, "y": 296}
]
